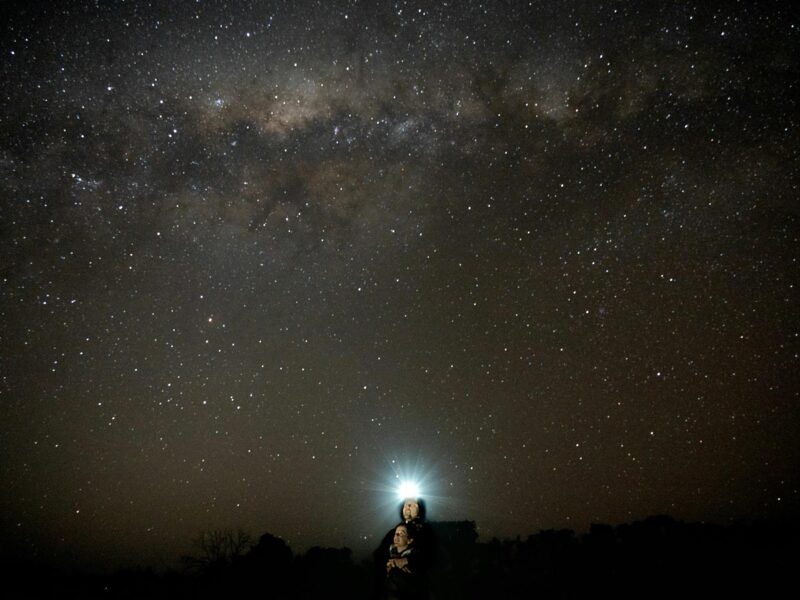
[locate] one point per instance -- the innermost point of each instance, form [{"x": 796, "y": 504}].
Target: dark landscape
[{"x": 657, "y": 557}]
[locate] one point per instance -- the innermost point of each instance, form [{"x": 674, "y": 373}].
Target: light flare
[{"x": 408, "y": 489}]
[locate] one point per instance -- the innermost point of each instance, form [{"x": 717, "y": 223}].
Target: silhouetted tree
[
  {"x": 328, "y": 572},
  {"x": 266, "y": 569},
  {"x": 217, "y": 548}
]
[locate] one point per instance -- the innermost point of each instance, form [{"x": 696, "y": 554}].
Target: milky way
[{"x": 259, "y": 258}]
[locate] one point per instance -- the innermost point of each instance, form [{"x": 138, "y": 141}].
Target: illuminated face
[
  {"x": 401, "y": 537},
  {"x": 410, "y": 509}
]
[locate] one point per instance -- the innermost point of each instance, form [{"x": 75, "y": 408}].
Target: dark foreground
[{"x": 654, "y": 558}]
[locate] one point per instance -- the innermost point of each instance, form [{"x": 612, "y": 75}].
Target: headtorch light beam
[{"x": 408, "y": 489}]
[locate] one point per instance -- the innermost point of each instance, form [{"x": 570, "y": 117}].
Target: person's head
[
  {"x": 412, "y": 508},
  {"x": 402, "y": 536}
]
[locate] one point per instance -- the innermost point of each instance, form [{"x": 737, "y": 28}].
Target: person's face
[
  {"x": 401, "y": 537},
  {"x": 410, "y": 509}
]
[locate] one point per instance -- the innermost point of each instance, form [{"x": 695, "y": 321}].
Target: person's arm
[{"x": 400, "y": 562}]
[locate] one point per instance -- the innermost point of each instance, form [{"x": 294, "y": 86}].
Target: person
[
  {"x": 401, "y": 581},
  {"x": 421, "y": 555}
]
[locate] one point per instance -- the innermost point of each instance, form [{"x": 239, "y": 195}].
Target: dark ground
[{"x": 657, "y": 557}]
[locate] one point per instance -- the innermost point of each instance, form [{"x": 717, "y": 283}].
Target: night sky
[{"x": 259, "y": 260}]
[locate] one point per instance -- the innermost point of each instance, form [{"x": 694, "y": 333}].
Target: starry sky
[{"x": 260, "y": 260}]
